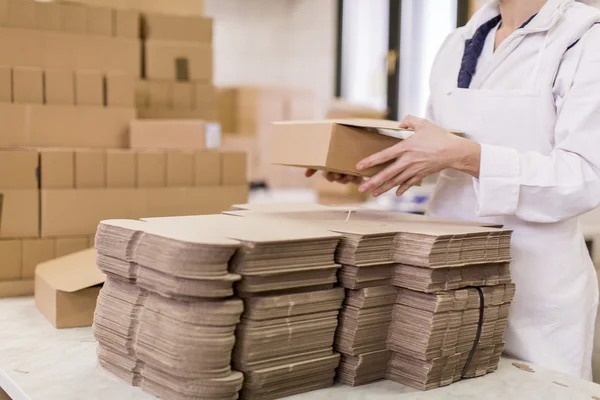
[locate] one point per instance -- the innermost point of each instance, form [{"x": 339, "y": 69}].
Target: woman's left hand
[{"x": 429, "y": 150}]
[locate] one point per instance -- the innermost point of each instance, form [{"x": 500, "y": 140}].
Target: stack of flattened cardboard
[{"x": 164, "y": 320}]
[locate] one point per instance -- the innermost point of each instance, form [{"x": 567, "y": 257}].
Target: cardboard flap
[{"x": 71, "y": 273}]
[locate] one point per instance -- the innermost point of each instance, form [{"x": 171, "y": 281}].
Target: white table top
[{"x": 38, "y": 362}]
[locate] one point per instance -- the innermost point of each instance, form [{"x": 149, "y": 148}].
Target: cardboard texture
[
  {"x": 226, "y": 100},
  {"x": 90, "y": 169},
  {"x": 179, "y": 7},
  {"x": 205, "y": 114},
  {"x": 16, "y": 288},
  {"x": 74, "y": 18},
  {"x": 20, "y": 214},
  {"x": 180, "y": 169},
  {"x": 127, "y": 23},
  {"x": 66, "y": 289},
  {"x": 18, "y": 169},
  {"x": 248, "y": 145},
  {"x": 121, "y": 169},
  {"x": 178, "y": 28},
  {"x": 162, "y": 60},
  {"x": 59, "y": 86},
  {"x": 10, "y": 260},
  {"x": 99, "y": 21},
  {"x": 5, "y": 84},
  {"x": 182, "y": 95},
  {"x": 168, "y": 134},
  {"x": 233, "y": 168},
  {"x": 28, "y": 85},
  {"x": 151, "y": 169},
  {"x": 207, "y": 168},
  {"x": 36, "y": 251},
  {"x": 142, "y": 94},
  {"x": 120, "y": 90},
  {"x": 89, "y": 88},
  {"x": 21, "y": 14},
  {"x": 57, "y": 169},
  {"x": 159, "y": 94},
  {"x": 48, "y": 16},
  {"x": 65, "y": 246},
  {"x": 206, "y": 97}
]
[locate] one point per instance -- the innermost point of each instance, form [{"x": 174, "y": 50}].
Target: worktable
[{"x": 38, "y": 362}]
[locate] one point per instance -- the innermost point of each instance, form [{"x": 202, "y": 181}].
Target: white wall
[{"x": 287, "y": 43}]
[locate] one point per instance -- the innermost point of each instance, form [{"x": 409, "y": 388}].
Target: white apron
[{"x": 552, "y": 319}]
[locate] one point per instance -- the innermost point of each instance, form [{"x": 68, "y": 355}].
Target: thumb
[{"x": 411, "y": 122}]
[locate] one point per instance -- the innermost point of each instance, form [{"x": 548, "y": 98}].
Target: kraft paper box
[
  {"x": 28, "y": 85},
  {"x": 120, "y": 90},
  {"x": 89, "y": 88},
  {"x": 179, "y": 61},
  {"x": 5, "y": 84},
  {"x": 90, "y": 169},
  {"x": 20, "y": 212},
  {"x": 48, "y": 16},
  {"x": 21, "y": 14},
  {"x": 18, "y": 169},
  {"x": 16, "y": 288},
  {"x": 180, "y": 169},
  {"x": 234, "y": 168},
  {"x": 73, "y": 18},
  {"x": 333, "y": 145},
  {"x": 66, "y": 289},
  {"x": 60, "y": 86},
  {"x": 179, "y": 7},
  {"x": 121, "y": 169},
  {"x": 57, "y": 169},
  {"x": 151, "y": 169},
  {"x": 70, "y": 245},
  {"x": 127, "y": 23},
  {"x": 177, "y": 28},
  {"x": 159, "y": 94},
  {"x": 99, "y": 21},
  {"x": 207, "y": 168},
  {"x": 181, "y": 93},
  {"x": 168, "y": 134},
  {"x": 10, "y": 260},
  {"x": 36, "y": 251}
]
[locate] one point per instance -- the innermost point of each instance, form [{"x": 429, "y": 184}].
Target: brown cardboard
[
  {"x": 340, "y": 108},
  {"x": 180, "y": 169},
  {"x": 59, "y": 86},
  {"x": 226, "y": 100},
  {"x": 151, "y": 169},
  {"x": 18, "y": 169},
  {"x": 178, "y": 28},
  {"x": 36, "y": 251},
  {"x": 248, "y": 145},
  {"x": 66, "y": 246},
  {"x": 207, "y": 168},
  {"x": 10, "y": 260},
  {"x": 120, "y": 90},
  {"x": 21, "y": 14},
  {"x": 159, "y": 94},
  {"x": 108, "y": 54},
  {"x": 73, "y": 18},
  {"x": 127, "y": 23},
  {"x": 142, "y": 94},
  {"x": 162, "y": 56},
  {"x": 5, "y": 84},
  {"x": 48, "y": 16},
  {"x": 90, "y": 169},
  {"x": 66, "y": 289},
  {"x": 208, "y": 114},
  {"x": 206, "y": 96},
  {"x": 335, "y": 145},
  {"x": 28, "y": 85},
  {"x": 57, "y": 169},
  {"x": 20, "y": 214},
  {"x": 168, "y": 134},
  {"x": 120, "y": 169},
  {"x": 181, "y": 95},
  {"x": 233, "y": 168},
  {"x": 179, "y": 7},
  {"x": 99, "y": 21},
  {"x": 16, "y": 288},
  {"x": 91, "y": 241},
  {"x": 89, "y": 88}
]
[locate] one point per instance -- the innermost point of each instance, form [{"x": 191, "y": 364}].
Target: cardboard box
[
  {"x": 10, "y": 260},
  {"x": 5, "y": 84},
  {"x": 28, "y": 85},
  {"x": 89, "y": 88},
  {"x": 178, "y": 28},
  {"x": 73, "y": 18},
  {"x": 120, "y": 169},
  {"x": 206, "y": 96},
  {"x": 179, "y": 7},
  {"x": 159, "y": 94},
  {"x": 16, "y": 288},
  {"x": 207, "y": 168},
  {"x": 179, "y": 61},
  {"x": 171, "y": 113},
  {"x": 226, "y": 101},
  {"x": 168, "y": 134},
  {"x": 57, "y": 169},
  {"x": 48, "y": 16},
  {"x": 181, "y": 95},
  {"x": 340, "y": 108},
  {"x": 234, "y": 168},
  {"x": 142, "y": 94},
  {"x": 91, "y": 241},
  {"x": 151, "y": 169},
  {"x": 127, "y": 23},
  {"x": 60, "y": 86},
  {"x": 19, "y": 213},
  {"x": 99, "y": 21},
  {"x": 65, "y": 246},
  {"x": 248, "y": 145},
  {"x": 19, "y": 169},
  {"x": 180, "y": 169},
  {"x": 66, "y": 289},
  {"x": 36, "y": 251},
  {"x": 78, "y": 212},
  {"x": 120, "y": 90},
  {"x": 90, "y": 169},
  {"x": 335, "y": 146},
  {"x": 21, "y": 14}
]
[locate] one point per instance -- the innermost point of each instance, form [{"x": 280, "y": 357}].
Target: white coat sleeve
[{"x": 564, "y": 184}]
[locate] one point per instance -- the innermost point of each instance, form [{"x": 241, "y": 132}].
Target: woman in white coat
[{"x": 522, "y": 80}]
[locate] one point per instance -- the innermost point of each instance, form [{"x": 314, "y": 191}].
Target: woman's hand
[
  {"x": 332, "y": 177},
  {"x": 429, "y": 150}
]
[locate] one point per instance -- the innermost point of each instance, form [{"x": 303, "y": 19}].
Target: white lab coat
[{"x": 535, "y": 109}]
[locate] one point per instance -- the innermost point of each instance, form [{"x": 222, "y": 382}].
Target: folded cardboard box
[
  {"x": 17, "y": 288},
  {"x": 172, "y": 134},
  {"x": 66, "y": 289},
  {"x": 18, "y": 169},
  {"x": 19, "y": 213}
]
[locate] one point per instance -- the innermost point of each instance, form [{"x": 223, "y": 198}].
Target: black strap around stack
[{"x": 478, "y": 334}]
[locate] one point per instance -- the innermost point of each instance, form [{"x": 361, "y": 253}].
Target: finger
[
  {"x": 398, "y": 180},
  {"x": 387, "y": 174},
  {"x": 382, "y": 157},
  {"x": 407, "y": 185},
  {"x": 411, "y": 122},
  {"x": 330, "y": 176},
  {"x": 357, "y": 180},
  {"x": 309, "y": 172},
  {"x": 386, "y": 187},
  {"x": 346, "y": 179}
]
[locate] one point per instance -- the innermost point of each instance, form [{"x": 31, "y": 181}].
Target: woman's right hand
[{"x": 333, "y": 177}]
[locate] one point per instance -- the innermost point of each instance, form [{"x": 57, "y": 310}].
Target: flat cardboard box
[
  {"x": 234, "y": 168},
  {"x": 180, "y": 169},
  {"x": 162, "y": 59},
  {"x": 48, "y": 16},
  {"x": 70, "y": 245},
  {"x": 127, "y": 23},
  {"x": 73, "y": 18},
  {"x": 10, "y": 260},
  {"x": 120, "y": 90},
  {"x": 120, "y": 169},
  {"x": 18, "y": 169},
  {"x": 99, "y": 21},
  {"x": 178, "y": 28},
  {"x": 207, "y": 168},
  {"x": 335, "y": 146},
  {"x": 5, "y": 84},
  {"x": 19, "y": 214},
  {"x": 66, "y": 289},
  {"x": 17, "y": 288},
  {"x": 36, "y": 251},
  {"x": 90, "y": 169},
  {"x": 159, "y": 94},
  {"x": 21, "y": 14},
  {"x": 151, "y": 169},
  {"x": 59, "y": 86},
  {"x": 89, "y": 88},
  {"x": 57, "y": 169},
  {"x": 28, "y": 85},
  {"x": 182, "y": 94},
  {"x": 168, "y": 134}
]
